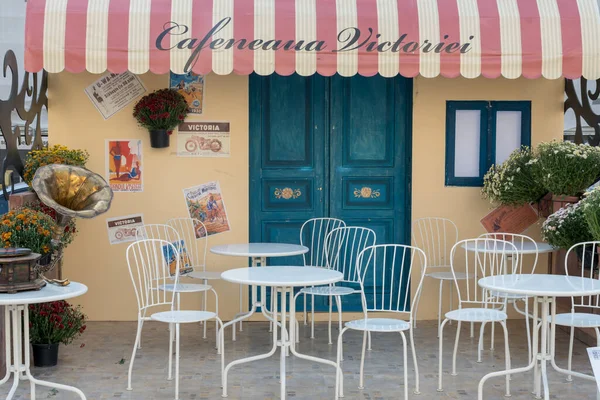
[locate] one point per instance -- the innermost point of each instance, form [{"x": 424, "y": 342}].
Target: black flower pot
[
  {"x": 45, "y": 355},
  {"x": 159, "y": 138}
]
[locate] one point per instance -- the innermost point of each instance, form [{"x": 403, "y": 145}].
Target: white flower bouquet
[{"x": 567, "y": 227}]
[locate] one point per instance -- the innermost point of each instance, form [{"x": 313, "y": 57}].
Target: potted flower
[
  {"x": 512, "y": 183},
  {"x": 160, "y": 112},
  {"x": 566, "y": 227},
  {"x": 591, "y": 211},
  {"x": 53, "y": 155},
  {"x": 51, "y": 324},
  {"x": 566, "y": 170},
  {"x": 25, "y": 227}
]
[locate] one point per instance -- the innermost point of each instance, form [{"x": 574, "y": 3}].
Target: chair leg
[
  {"x": 455, "y": 348},
  {"x": 493, "y": 335},
  {"x": 305, "y": 309},
  {"x": 204, "y": 309},
  {"x": 480, "y": 343},
  {"x": 472, "y": 330},
  {"x": 140, "y": 341},
  {"x": 416, "y": 303},
  {"x": 171, "y": 338},
  {"x": 177, "y": 361},
  {"x": 312, "y": 316},
  {"x": 441, "y": 337},
  {"x": 507, "y": 356},
  {"x": 414, "y": 354},
  {"x": 339, "y": 376},
  {"x": 527, "y": 326},
  {"x": 138, "y": 336},
  {"x": 569, "y": 377},
  {"x": 405, "y": 357},
  {"x": 217, "y": 341},
  {"x": 440, "y": 304},
  {"x": 361, "y": 384},
  {"x": 451, "y": 299},
  {"x": 369, "y": 340},
  {"x": 338, "y": 303},
  {"x": 329, "y": 326}
]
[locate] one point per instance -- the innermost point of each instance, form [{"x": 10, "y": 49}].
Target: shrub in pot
[
  {"x": 160, "y": 112},
  {"x": 51, "y": 324},
  {"x": 52, "y": 155}
]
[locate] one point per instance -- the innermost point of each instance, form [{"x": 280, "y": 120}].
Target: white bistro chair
[
  {"x": 193, "y": 233},
  {"x": 170, "y": 234},
  {"x": 343, "y": 245},
  {"x": 156, "y": 290},
  {"x": 479, "y": 258},
  {"x": 521, "y": 242},
  {"x": 436, "y": 236},
  {"x": 385, "y": 273},
  {"x": 580, "y": 315},
  {"x": 313, "y": 234}
]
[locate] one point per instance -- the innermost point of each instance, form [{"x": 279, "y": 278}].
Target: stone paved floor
[{"x": 98, "y": 367}]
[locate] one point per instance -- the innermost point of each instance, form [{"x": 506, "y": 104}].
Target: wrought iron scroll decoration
[{"x": 583, "y": 109}]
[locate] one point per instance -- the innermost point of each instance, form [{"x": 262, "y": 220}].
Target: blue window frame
[{"x": 480, "y": 134}]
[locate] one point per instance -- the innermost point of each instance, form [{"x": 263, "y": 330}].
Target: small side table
[{"x": 16, "y": 320}]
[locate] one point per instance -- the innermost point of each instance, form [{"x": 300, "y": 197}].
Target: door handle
[{"x": 319, "y": 189}]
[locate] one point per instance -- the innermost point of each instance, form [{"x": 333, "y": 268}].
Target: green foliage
[
  {"x": 27, "y": 228},
  {"x": 56, "y": 322},
  {"x": 591, "y": 210},
  {"x": 566, "y": 227},
  {"x": 512, "y": 182},
  {"x": 53, "y": 155}
]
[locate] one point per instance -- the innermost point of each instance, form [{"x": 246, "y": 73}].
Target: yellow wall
[{"x": 73, "y": 121}]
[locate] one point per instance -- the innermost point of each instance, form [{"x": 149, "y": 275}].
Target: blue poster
[{"x": 190, "y": 86}]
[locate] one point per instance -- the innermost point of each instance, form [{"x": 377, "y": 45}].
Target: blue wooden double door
[{"x": 329, "y": 147}]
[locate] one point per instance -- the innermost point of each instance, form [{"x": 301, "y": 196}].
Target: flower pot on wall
[
  {"x": 159, "y": 138},
  {"x": 45, "y": 355}
]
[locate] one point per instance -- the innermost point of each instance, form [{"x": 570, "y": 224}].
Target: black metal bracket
[
  {"x": 583, "y": 109},
  {"x": 12, "y": 163}
]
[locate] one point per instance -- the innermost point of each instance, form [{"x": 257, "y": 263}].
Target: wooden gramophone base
[{"x": 36, "y": 284}]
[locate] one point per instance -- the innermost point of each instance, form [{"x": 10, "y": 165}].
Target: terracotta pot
[
  {"x": 159, "y": 138},
  {"x": 550, "y": 203}
]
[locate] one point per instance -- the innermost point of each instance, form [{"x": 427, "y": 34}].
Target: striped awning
[{"x": 491, "y": 38}]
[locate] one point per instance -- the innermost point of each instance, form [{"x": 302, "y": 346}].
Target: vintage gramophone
[{"x": 73, "y": 192}]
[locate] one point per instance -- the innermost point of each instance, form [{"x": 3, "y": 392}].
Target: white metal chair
[
  {"x": 521, "y": 242},
  {"x": 312, "y": 235},
  {"x": 480, "y": 257},
  {"x": 156, "y": 289},
  {"x": 193, "y": 233},
  {"x": 385, "y": 273},
  {"x": 343, "y": 245},
  {"x": 436, "y": 236},
  {"x": 588, "y": 254}
]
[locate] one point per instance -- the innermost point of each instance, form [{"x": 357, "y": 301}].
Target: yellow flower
[
  {"x": 18, "y": 228},
  {"x": 21, "y": 216},
  {"x": 6, "y": 222},
  {"x": 6, "y": 235},
  {"x": 45, "y": 248}
]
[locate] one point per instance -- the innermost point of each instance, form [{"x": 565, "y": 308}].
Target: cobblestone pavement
[{"x": 100, "y": 367}]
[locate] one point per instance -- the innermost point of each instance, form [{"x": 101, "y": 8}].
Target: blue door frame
[{"x": 338, "y": 147}]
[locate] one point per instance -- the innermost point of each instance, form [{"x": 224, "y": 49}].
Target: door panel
[{"x": 337, "y": 147}]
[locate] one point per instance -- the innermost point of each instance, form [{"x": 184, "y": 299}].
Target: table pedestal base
[
  {"x": 286, "y": 342},
  {"x": 541, "y": 354},
  {"x": 16, "y": 329}
]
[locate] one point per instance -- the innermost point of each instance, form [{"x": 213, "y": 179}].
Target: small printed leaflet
[
  {"x": 203, "y": 139},
  {"x": 185, "y": 265},
  {"x": 112, "y": 92},
  {"x": 122, "y": 229}
]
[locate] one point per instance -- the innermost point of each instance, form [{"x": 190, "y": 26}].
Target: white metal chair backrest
[
  {"x": 343, "y": 245},
  {"x": 385, "y": 274},
  {"x": 149, "y": 271},
  {"x": 520, "y": 242},
  {"x": 313, "y": 234},
  {"x": 587, "y": 252},
  {"x": 157, "y": 231},
  {"x": 480, "y": 258},
  {"x": 194, "y": 235},
  {"x": 435, "y": 236}
]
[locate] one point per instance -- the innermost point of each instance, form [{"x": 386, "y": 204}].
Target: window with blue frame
[{"x": 482, "y": 133}]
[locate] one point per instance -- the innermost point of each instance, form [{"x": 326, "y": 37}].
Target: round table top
[
  {"x": 522, "y": 247},
  {"x": 282, "y": 276},
  {"x": 259, "y": 250},
  {"x": 542, "y": 285},
  {"x": 46, "y": 294}
]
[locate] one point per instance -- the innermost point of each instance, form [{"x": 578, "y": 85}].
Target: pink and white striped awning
[{"x": 510, "y": 38}]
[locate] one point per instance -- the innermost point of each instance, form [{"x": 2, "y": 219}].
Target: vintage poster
[
  {"x": 112, "y": 92},
  {"x": 122, "y": 229},
  {"x": 124, "y": 165},
  {"x": 185, "y": 265},
  {"x": 203, "y": 139},
  {"x": 510, "y": 219},
  {"x": 205, "y": 203},
  {"x": 190, "y": 86}
]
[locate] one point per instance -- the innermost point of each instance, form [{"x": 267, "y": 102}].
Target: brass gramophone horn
[{"x": 73, "y": 192}]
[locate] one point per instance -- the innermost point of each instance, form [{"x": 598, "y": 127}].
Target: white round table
[
  {"x": 545, "y": 289},
  {"x": 16, "y": 316},
  {"x": 258, "y": 253},
  {"x": 285, "y": 279},
  {"x": 523, "y": 248}
]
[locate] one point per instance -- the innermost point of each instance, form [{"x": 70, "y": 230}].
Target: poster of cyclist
[
  {"x": 203, "y": 139},
  {"x": 124, "y": 165},
  {"x": 190, "y": 86},
  {"x": 205, "y": 203}
]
